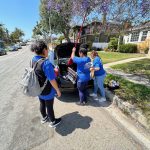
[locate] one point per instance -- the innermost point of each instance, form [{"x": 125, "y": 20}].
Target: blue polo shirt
[
  {"x": 50, "y": 75},
  {"x": 97, "y": 63},
  {"x": 82, "y": 72}
]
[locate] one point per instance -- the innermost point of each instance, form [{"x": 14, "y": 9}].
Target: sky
[{"x": 22, "y": 14}]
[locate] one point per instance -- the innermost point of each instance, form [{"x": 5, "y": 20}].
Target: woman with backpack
[
  {"x": 99, "y": 76},
  {"x": 45, "y": 73}
]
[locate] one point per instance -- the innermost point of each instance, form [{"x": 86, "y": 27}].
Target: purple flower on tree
[
  {"x": 85, "y": 5},
  {"x": 105, "y": 6},
  {"x": 50, "y": 4},
  {"x": 58, "y": 7},
  {"x": 145, "y": 7}
]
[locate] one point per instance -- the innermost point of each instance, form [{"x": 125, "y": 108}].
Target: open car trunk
[{"x": 63, "y": 53}]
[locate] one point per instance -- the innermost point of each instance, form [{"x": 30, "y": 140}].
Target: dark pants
[
  {"x": 82, "y": 88},
  {"x": 46, "y": 109}
]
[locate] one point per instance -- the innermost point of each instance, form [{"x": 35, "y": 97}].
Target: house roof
[
  {"x": 95, "y": 22},
  {"x": 142, "y": 26}
]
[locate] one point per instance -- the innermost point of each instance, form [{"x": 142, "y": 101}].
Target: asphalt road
[{"x": 82, "y": 128}]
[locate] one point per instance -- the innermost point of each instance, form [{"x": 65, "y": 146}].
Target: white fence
[{"x": 100, "y": 45}]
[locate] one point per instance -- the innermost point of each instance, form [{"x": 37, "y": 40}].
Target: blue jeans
[
  {"x": 82, "y": 88},
  {"x": 99, "y": 84}
]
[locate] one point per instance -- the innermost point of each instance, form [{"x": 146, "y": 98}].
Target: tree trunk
[
  {"x": 66, "y": 35},
  {"x": 118, "y": 43}
]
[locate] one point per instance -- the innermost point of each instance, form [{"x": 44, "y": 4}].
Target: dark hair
[
  {"x": 83, "y": 50},
  {"x": 86, "y": 46},
  {"x": 38, "y": 47}
]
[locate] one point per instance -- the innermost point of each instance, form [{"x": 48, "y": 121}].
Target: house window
[
  {"x": 83, "y": 40},
  {"x": 134, "y": 36},
  {"x": 144, "y": 35},
  {"x": 96, "y": 40}
]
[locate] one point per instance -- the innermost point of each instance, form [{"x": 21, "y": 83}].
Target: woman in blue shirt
[
  {"x": 45, "y": 72},
  {"x": 99, "y": 76},
  {"x": 82, "y": 72}
]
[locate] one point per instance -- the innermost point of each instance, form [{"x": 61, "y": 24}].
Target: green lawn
[
  {"x": 139, "y": 67},
  {"x": 136, "y": 94},
  {"x": 108, "y": 57}
]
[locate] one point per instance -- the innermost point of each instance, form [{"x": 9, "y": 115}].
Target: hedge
[{"x": 128, "y": 48}]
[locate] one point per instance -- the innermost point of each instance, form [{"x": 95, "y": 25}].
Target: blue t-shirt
[
  {"x": 82, "y": 72},
  {"x": 97, "y": 63},
  {"x": 50, "y": 75}
]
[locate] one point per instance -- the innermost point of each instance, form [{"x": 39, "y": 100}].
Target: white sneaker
[
  {"x": 96, "y": 98},
  {"x": 93, "y": 95},
  {"x": 103, "y": 99}
]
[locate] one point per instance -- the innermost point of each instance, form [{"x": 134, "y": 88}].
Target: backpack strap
[{"x": 36, "y": 63}]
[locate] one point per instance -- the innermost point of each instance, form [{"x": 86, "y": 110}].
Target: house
[
  {"x": 139, "y": 35},
  {"x": 96, "y": 34}
]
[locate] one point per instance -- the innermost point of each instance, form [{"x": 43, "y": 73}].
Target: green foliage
[
  {"x": 58, "y": 22},
  {"x": 89, "y": 43},
  {"x": 16, "y": 35},
  {"x": 128, "y": 48},
  {"x": 113, "y": 44},
  {"x": 61, "y": 38},
  {"x": 146, "y": 50},
  {"x": 4, "y": 33}
]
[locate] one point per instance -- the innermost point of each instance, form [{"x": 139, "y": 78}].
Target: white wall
[{"x": 100, "y": 45}]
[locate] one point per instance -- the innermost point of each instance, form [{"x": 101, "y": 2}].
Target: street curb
[{"x": 127, "y": 108}]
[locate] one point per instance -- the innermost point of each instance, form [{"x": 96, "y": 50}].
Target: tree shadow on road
[{"x": 73, "y": 121}]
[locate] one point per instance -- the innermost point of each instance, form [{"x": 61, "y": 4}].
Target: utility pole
[{"x": 50, "y": 29}]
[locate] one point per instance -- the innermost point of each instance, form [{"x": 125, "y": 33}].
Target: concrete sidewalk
[
  {"x": 138, "y": 79},
  {"x": 123, "y": 61}
]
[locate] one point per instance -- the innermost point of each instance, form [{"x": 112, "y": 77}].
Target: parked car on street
[
  {"x": 12, "y": 48},
  {"x": 23, "y": 44},
  {"x": 63, "y": 53},
  {"x": 18, "y": 46},
  {"x": 2, "y": 48}
]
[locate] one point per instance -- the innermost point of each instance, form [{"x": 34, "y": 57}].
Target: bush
[
  {"x": 89, "y": 45},
  {"x": 113, "y": 44},
  {"x": 146, "y": 50},
  {"x": 128, "y": 48},
  {"x": 94, "y": 48},
  {"x": 106, "y": 50}
]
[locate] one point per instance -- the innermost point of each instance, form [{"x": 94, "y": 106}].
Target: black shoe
[
  {"x": 55, "y": 123},
  {"x": 45, "y": 119},
  {"x": 80, "y": 103}
]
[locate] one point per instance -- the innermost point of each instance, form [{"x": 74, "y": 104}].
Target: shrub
[
  {"x": 146, "y": 50},
  {"x": 93, "y": 48},
  {"x": 90, "y": 45},
  {"x": 106, "y": 50},
  {"x": 113, "y": 44},
  {"x": 128, "y": 48}
]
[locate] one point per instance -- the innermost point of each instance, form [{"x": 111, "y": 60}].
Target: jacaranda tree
[{"x": 57, "y": 16}]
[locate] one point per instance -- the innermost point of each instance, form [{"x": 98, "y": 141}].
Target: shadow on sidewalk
[
  {"x": 73, "y": 121},
  {"x": 73, "y": 97}
]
